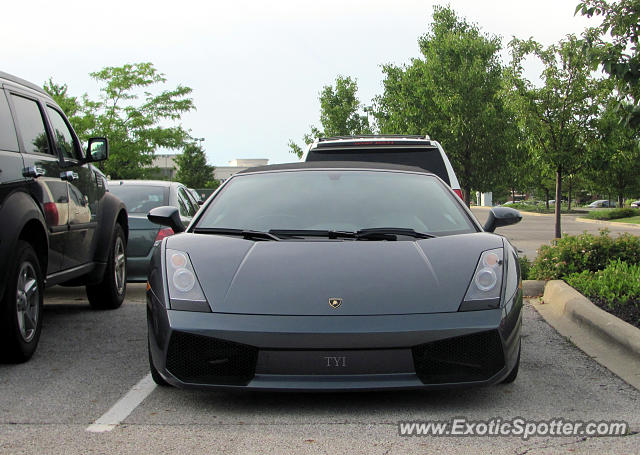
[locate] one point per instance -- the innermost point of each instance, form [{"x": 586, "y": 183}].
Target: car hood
[{"x": 300, "y": 277}]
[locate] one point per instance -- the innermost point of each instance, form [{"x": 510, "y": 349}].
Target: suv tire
[
  {"x": 21, "y": 307},
  {"x": 109, "y": 293}
]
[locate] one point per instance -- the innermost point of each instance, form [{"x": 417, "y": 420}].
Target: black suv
[{"x": 59, "y": 223}]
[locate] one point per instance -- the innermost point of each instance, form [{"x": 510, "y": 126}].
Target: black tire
[
  {"x": 21, "y": 306},
  {"x": 109, "y": 293},
  {"x": 154, "y": 372},
  {"x": 514, "y": 372}
]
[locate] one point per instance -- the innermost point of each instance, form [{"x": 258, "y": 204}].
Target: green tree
[
  {"x": 81, "y": 120},
  {"x": 560, "y": 113},
  {"x": 193, "y": 170},
  {"x": 615, "y": 164},
  {"x": 136, "y": 121},
  {"x": 454, "y": 93},
  {"x": 340, "y": 113},
  {"x": 619, "y": 54}
]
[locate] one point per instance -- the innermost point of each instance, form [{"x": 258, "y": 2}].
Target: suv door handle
[
  {"x": 33, "y": 171},
  {"x": 69, "y": 176}
]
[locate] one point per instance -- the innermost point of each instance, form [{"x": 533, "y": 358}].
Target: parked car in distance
[
  {"x": 59, "y": 224},
  {"x": 408, "y": 150},
  {"x": 140, "y": 196},
  {"x": 601, "y": 203},
  {"x": 635, "y": 204},
  {"x": 334, "y": 276}
]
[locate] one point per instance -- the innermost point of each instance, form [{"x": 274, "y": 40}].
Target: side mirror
[
  {"x": 501, "y": 216},
  {"x": 98, "y": 149},
  {"x": 167, "y": 216}
]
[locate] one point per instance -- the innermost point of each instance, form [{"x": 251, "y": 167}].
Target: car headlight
[
  {"x": 185, "y": 292},
  {"x": 486, "y": 285}
]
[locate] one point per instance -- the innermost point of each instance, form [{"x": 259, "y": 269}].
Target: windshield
[
  {"x": 336, "y": 200},
  {"x": 140, "y": 198}
]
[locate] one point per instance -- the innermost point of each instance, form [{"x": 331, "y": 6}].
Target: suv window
[
  {"x": 31, "y": 124},
  {"x": 64, "y": 137},
  {"x": 8, "y": 137},
  {"x": 183, "y": 198},
  {"x": 427, "y": 158}
]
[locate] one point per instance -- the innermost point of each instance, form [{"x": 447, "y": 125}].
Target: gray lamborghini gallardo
[{"x": 334, "y": 276}]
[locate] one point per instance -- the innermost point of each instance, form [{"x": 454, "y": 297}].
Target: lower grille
[
  {"x": 468, "y": 358},
  {"x": 204, "y": 360}
]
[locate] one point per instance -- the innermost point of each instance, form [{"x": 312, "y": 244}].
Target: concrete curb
[
  {"x": 579, "y": 308},
  {"x": 612, "y": 342},
  {"x": 608, "y": 223},
  {"x": 533, "y": 288}
]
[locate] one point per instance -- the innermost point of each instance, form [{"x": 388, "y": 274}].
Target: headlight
[
  {"x": 485, "y": 287},
  {"x": 185, "y": 292}
]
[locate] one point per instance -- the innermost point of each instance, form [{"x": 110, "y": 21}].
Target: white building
[{"x": 167, "y": 166}]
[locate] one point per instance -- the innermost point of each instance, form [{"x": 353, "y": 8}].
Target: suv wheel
[
  {"x": 109, "y": 294},
  {"x": 21, "y": 307}
]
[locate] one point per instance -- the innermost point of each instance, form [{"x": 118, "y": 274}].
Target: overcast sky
[{"x": 255, "y": 67}]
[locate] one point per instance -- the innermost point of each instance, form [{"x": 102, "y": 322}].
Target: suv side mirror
[
  {"x": 501, "y": 216},
  {"x": 98, "y": 149},
  {"x": 167, "y": 216}
]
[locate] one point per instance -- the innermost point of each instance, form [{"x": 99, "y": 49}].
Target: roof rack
[
  {"x": 21, "y": 81},
  {"x": 375, "y": 136}
]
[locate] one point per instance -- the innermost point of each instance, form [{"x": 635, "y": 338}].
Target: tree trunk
[
  {"x": 466, "y": 195},
  {"x": 558, "y": 231},
  {"x": 569, "y": 198},
  {"x": 620, "y": 200},
  {"x": 513, "y": 194},
  {"x": 546, "y": 200}
]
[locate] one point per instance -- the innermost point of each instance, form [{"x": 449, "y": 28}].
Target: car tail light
[
  {"x": 51, "y": 213},
  {"x": 164, "y": 232},
  {"x": 459, "y": 193}
]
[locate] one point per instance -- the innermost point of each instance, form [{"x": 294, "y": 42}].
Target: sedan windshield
[{"x": 336, "y": 200}]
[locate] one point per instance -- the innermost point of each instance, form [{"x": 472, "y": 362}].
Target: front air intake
[
  {"x": 199, "y": 359},
  {"x": 468, "y": 358}
]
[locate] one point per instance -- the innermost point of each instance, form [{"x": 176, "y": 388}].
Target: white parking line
[{"x": 124, "y": 406}]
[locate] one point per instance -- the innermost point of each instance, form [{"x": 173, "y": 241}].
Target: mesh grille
[
  {"x": 468, "y": 358},
  {"x": 205, "y": 360}
]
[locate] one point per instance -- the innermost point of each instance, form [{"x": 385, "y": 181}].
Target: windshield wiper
[
  {"x": 389, "y": 233},
  {"x": 247, "y": 234},
  {"x": 384, "y": 233},
  {"x": 313, "y": 233}
]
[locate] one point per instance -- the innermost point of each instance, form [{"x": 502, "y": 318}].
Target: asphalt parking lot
[{"x": 88, "y": 360}]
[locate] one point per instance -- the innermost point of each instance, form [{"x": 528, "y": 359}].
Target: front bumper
[{"x": 442, "y": 350}]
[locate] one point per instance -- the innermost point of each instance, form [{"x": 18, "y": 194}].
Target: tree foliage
[
  {"x": 615, "y": 43},
  {"x": 193, "y": 170},
  {"x": 615, "y": 162},
  {"x": 560, "y": 114},
  {"x": 132, "y": 112},
  {"x": 340, "y": 113},
  {"x": 454, "y": 93},
  {"x": 73, "y": 108}
]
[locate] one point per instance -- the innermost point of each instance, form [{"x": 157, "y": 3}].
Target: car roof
[
  {"x": 20, "y": 81},
  {"x": 374, "y": 140},
  {"x": 363, "y": 165}
]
